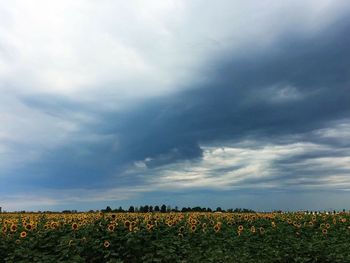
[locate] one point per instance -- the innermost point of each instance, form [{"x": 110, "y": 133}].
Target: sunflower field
[{"x": 175, "y": 237}]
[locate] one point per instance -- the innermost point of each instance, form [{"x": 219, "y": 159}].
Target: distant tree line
[{"x": 167, "y": 208}]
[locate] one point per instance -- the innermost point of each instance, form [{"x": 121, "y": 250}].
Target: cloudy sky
[{"x": 211, "y": 103}]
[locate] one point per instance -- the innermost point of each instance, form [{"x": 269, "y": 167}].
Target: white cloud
[
  {"x": 227, "y": 167},
  {"x": 112, "y": 54},
  {"x": 136, "y": 48},
  {"x": 338, "y": 131}
]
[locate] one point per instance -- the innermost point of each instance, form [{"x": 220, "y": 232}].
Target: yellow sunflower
[
  {"x": 106, "y": 244},
  {"x": 23, "y": 234}
]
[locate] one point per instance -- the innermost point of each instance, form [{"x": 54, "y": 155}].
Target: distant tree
[
  {"x": 218, "y": 209},
  {"x": 131, "y": 209},
  {"x": 209, "y": 209},
  {"x": 176, "y": 209},
  {"x": 150, "y": 208},
  {"x": 120, "y": 209},
  {"x": 156, "y": 209},
  {"x": 163, "y": 209},
  {"x": 168, "y": 208},
  {"x": 197, "y": 209},
  {"x": 142, "y": 209},
  {"x": 108, "y": 209},
  {"x": 146, "y": 209}
]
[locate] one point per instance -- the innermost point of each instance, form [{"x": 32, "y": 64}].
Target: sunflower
[
  {"x": 240, "y": 228},
  {"x": 193, "y": 228},
  {"x": 262, "y": 230},
  {"x": 217, "y": 228},
  {"x": 181, "y": 229},
  {"x": 29, "y": 227},
  {"x": 150, "y": 227},
  {"x": 328, "y": 225},
  {"x": 13, "y": 228},
  {"x": 252, "y": 229},
  {"x": 54, "y": 225},
  {"x": 273, "y": 224},
  {"x": 111, "y": 227},
  {"x": 23, "y": 234},
  {"x": 106, "y": 244},
  {"x": 127, "y": 223},
  {"x": 180, "y": 235},
  {"x": 324, "y": 231},
  {"x": 74, "y": 226}
]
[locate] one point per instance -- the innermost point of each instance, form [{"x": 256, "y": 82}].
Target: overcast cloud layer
[{"x": 225, "y": 103}]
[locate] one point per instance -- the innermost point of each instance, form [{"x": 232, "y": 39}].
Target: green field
[{"x": 175, "y": 237}]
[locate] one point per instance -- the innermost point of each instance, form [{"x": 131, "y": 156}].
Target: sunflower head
[
  {"x": 111, "y": 227},
  {"x": 127, "y": 223},
  {"x": 193, "y": 228},
  {"x": 74, "y": 226},
  {"x": 261, "y": 230},
  {"x": 13, "y": 228},
  {"x": 23, "y": 234},
  {"x": 217, "y": 228},
  {"x": 106, "y": 244}
]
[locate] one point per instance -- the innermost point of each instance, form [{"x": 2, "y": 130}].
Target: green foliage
[{"x": 175, "y": 237}]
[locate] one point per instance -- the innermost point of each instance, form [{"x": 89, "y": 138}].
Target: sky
[{"x": 187, "y": 103}]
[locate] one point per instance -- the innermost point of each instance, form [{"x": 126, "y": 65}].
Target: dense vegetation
[{"x": 175, "y": 237}]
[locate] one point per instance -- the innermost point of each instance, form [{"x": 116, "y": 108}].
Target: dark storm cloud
[
  {"x": 294, "y": 87},
  {"x": 244, "y": 99}
]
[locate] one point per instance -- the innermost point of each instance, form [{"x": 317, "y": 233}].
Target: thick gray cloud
[
  {"x": 278, "y": 94},
  {"x": 295, "y": 87}
]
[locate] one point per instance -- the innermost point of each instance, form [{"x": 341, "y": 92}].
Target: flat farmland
[{"x": 175, "y": 237}]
